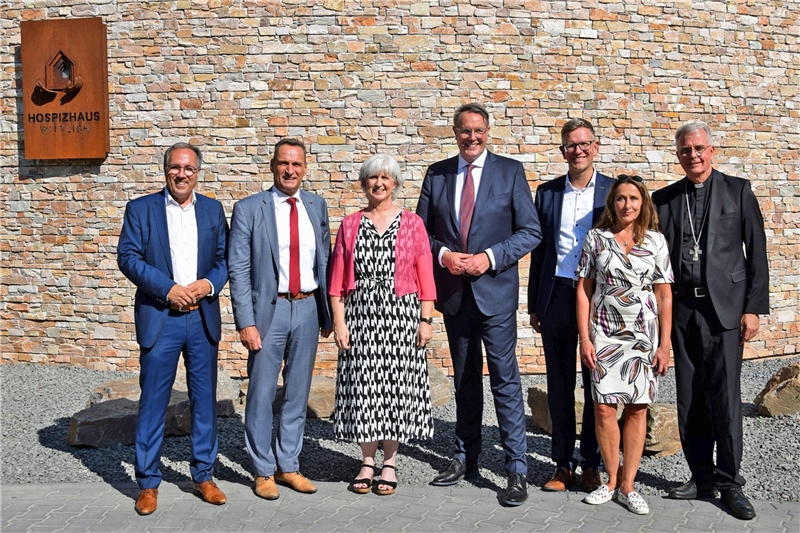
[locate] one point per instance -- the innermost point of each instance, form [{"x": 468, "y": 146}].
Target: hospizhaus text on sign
[{"x": 65, "y": 89}]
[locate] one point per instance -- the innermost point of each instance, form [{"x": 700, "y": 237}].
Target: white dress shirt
[
  {"x": 182, "y": 228},
  {"x": 477, "y": 173},
  {"x": 576, "y": 221},
  {"x": 308, "y": 244}
]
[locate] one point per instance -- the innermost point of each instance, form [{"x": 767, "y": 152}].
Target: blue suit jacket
[
  {"x": 504, "y": 220},
  {"x": 549, "y": 199},
  {"x": 254, "y": 259},
  {"x": 143, "y": 256}
]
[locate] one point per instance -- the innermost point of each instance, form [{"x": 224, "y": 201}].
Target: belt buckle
[
  {"x": 290, "y": 296},
  {"x": 699, "y": 292}
]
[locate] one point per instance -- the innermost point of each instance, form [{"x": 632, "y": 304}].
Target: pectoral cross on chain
[{"x": 696, "y": 252}]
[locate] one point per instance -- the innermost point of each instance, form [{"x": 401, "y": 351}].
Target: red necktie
[
  {"x": 467, "y": 206},
  {"x": 294, "y": 249}
]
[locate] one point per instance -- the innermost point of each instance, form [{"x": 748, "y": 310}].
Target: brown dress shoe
[
  {"x": 297, "y": 481},
  {"x": 563, "y": 478},
  {"x": 210, "y": 493},
  {"x": 590, "y": 477},
  {"x": 266, "y": 488},
  {"x": 147, "y": 501}
]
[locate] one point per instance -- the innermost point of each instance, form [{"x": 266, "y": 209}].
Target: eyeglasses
[
  {"x": 584, "y": 146},
  {"x": 176, "y": 169},
  {"x": 688, "y": 150},
  {"x": 466, "y": 132},
  {"x": 622, "y": 178}
]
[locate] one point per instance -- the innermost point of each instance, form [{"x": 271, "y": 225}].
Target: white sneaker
[
  {"x": 634, "y": 501},
  {"x": 601, "y": 494}
]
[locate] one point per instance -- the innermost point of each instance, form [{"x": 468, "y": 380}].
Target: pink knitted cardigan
[{"x": 413, "y": 260}]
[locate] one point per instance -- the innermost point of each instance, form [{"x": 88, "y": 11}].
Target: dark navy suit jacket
[
  {"x": 504, "y": 220},
  {"x": 143, "y": 256},
  {"x": 549, "y": 199}
]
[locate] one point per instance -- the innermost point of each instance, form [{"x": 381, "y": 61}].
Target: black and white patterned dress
[{"x": 382, "y": 389}]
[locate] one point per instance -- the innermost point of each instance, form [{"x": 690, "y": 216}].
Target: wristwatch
[{"x": 426, "y": 319}]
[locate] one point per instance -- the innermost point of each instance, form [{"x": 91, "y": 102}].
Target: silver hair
[
  {"x": 692, "y": 127},
  {"x": 381, "y": 163},
  {"x": 178, "y": 146}
]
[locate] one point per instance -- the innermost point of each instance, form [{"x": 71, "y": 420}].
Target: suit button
[{"x": 274, "y": 300}]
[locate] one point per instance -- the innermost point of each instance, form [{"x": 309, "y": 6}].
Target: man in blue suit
[
  {"x": 568, "y": 207},
  {"x": 172, "y": 247},
  {"x": 278, "y": 257},
  {"x": 481, "y": 221}
]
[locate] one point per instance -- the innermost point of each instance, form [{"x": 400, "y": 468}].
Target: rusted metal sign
[{"x": 65, "y": 89}]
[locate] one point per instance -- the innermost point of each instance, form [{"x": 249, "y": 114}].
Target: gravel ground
[{"x": 38, "y": 402}]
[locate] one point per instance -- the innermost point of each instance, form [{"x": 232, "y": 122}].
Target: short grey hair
[
  {"x": 377, "y": 164},
  {"x": 692, "y": 127},
  {"x": 180, "y": 146}
]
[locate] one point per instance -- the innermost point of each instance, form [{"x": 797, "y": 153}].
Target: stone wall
[{"x": 355, "y": 78}]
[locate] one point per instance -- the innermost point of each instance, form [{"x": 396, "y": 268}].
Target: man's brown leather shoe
[
  {"x": 297, "y": 481},
  {"x": 590, "y": 477},
  {"x": 210, "y": 493},
  {"x": 563, "y": 478},
  {"x": 266, "y": 488},
  {"x": 147, "y": 501}
]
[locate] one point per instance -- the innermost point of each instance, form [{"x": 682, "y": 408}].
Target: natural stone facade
[{"x": 352, "y": 78}]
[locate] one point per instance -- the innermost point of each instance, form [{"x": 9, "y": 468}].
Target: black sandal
[
  {"x": 391, "y": 484},
  {"x": 363, "y": 481}
]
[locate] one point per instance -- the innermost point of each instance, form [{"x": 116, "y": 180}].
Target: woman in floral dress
[{"x": 624, "y": 306}]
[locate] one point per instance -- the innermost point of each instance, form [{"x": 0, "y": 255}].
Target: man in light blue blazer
[
  {"x": 568, "y": 207},
  {"x": 481, "y": 221},
  {"x": 172, "y": 247},
  {"x": 278, "y": 259}
]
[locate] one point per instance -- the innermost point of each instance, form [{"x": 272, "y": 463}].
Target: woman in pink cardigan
[{"x": 382, "y": 293}]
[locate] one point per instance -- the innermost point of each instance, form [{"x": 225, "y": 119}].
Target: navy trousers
[
  {"x": 559, "y": 328},
  {"x": 466, "y": 330},
  {"x": 183, "y": 332}
]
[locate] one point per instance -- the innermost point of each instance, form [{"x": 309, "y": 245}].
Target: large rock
[
  {"x": 322, "y": 397},
  {"x": 440, "y": 385},
  {"x": 114, "y": 421},
  {"x": 537, "y": 401},
  {"x": 662, "y": 437},
  {"x": 781, "y": 395},
  {"x": 227, "y": 390}
]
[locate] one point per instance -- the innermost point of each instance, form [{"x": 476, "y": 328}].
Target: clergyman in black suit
[
  {"x": 715, "y": 232},
  {"x": 568, "y": 207},
  {"x": 478, "y": 211}
]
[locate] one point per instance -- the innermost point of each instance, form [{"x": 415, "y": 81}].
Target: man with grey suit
[{"x": 278, "y": 251}]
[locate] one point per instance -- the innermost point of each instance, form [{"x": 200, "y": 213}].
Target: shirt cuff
[
  {"x": 211, "y": 294},
  {"x": 442, "y": 251},
  {"x": 490, "y": 255}
]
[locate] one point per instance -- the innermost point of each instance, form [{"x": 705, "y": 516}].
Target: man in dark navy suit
[
  {"x": 718, "y": 251},
  {"x": 568, "y": 207},
  {"x": 481, "y": 221},
  {"x": 172, "y": 247}
]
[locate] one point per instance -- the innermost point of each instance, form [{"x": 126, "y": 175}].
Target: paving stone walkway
[{"x": 102, "y": 507}]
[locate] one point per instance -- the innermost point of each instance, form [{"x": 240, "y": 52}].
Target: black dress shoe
[
  {"x": 454, "y": 472},
  {"x": 740, "y": 506},
  {"x": 691, "y": 491},
  {"x": 517, "y": 491}
]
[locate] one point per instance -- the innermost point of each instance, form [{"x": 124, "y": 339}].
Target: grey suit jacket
[{"x": 253, "y": 259}]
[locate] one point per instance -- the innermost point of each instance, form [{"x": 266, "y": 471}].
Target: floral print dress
[{"x": 624, "y": 314}]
